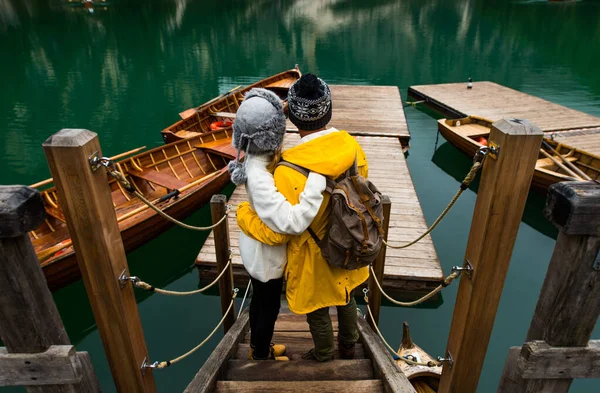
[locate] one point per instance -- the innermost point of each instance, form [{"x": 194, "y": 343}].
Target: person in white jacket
[{"x": 258, "y": 131}]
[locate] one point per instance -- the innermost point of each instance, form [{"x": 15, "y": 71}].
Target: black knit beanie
[{"x": 309, "y": 102}]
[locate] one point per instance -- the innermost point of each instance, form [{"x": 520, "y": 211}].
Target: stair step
[
  {"x": 362, "y": 386},
  {"x": 302, "y": 370},
  {"x": 287, "y": 337},
  {"x": 297, "y": 326},
  {"x": 296, "y": 350}
]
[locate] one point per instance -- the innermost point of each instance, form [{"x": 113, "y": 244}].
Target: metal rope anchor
[
  {"x": 448, "y": 359},
  {"x": 124, "y": 279}
]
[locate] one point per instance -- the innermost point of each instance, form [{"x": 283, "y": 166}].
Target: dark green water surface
[{"x": 128, "y": 69}]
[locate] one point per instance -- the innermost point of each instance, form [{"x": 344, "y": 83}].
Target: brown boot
[{"x": 346, "y": 349}]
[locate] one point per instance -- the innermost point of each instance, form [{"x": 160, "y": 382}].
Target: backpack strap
[{"x": 330, "y": 184}]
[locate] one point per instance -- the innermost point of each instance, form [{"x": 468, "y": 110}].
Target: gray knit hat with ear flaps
[{"x": 258, "y": 128}]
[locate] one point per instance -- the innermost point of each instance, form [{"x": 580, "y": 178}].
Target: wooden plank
[
  {"x": 301, "y": 370},
  {"x": 295, "y": 349},
  {"x": 29, "y": 318},
  {"x": 58, "y": 365},
  {"x": 92, "y": 223},
  {"x": 216, "y": 364},
  {"x": 364, "y": 386},
  {"x": 221, "y": 236},
  {"x": 394, "y": 380},
  {"x": 159, "y": 178},
  {"x": 503, "y": 191},
  {"x": 541, "y": 361},
  {"x": 227, "y": 115}
]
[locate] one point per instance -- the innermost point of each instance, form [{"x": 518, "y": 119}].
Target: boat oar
[
  {"x": 118, "y": 156},
  {"x": 188, "y": 112},
  {"x": 560, "y": 165},
  {"x": 567, "y": 162}
]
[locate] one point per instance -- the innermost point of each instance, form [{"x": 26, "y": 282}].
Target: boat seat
[
  {"x": 159, "y": 178},
  {"x": 281, "y": 84},
  {"x": 222, "y": 147},
  {"x": 227, "y": 115},
  {"x": 54, "y": 212}
]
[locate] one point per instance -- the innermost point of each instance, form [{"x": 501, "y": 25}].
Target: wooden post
[
  {"x": 569, "y": 303},
  {"x": 29, "y": 319},
  {"x": 379, "y": 265},
  {"x": 500, "y": 203},
  {"x": 87, "y": 204},
  {"x": 217, "y": 209}
]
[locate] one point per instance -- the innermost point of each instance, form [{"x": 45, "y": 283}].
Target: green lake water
[{"x": 126, "y": 70}]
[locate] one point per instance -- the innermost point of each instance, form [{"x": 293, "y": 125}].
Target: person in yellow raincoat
[{"x": 312, "y": 284}]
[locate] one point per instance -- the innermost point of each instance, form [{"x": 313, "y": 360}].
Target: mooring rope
[
  {"x": 444, "y": 284},
  {"x": 150, "y": 288},
  {"x": 127, "y": 185},
  {"x": 463, "y": 186},
  {"x": 431, "y": 363},
  {"x": 165, "y": 364}
]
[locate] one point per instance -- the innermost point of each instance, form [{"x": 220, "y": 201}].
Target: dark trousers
[{"x": 264, "y": 308}]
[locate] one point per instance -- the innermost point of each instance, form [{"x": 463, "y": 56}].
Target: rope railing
[
  {"x": 167, "y": 363},
  {"x": 447, "y": 281},
  {"x": 477, "y": 163},
  {"x": 118, "y": 176},
  {"x": 150, "y": 288}
]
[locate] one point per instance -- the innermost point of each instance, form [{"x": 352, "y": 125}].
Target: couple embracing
[{"x": 287, "y": 214}]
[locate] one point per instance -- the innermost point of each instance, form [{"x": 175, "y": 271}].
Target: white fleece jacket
[{"x": 264, "y": 262}]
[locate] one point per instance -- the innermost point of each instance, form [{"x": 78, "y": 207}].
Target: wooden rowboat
[
  {"x": 425, "y": 379},
  {"x": 557, "y": 162},
  {"x": 196, "y": 168},
  {"x": 220, "y": 111}
]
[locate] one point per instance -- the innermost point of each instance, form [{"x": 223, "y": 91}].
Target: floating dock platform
[
  {"x": 493, "y": 101},
  {"x": 414, "y": 270}
]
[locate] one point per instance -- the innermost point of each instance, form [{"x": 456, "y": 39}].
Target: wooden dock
[
  {"x": 414, "y": 270},
  {"x": 495, "y": 102}
]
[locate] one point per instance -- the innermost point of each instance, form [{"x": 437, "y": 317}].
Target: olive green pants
[{"x": 321, "y": 328}]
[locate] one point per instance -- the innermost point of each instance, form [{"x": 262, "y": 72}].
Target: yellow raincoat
[{"x": 311, "y": 282}]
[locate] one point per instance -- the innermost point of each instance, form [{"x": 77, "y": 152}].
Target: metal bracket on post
[
  {"x": 124, "y": 278},
  {"x": 448, "y": 359},
  {"x": 494, "y": 150},
  {"x": 95, "y": 161},
  {"x": 467, "y": 268},
  {"x": 147, "y": 365}
]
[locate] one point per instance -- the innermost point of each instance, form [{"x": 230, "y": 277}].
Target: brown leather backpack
[{"x": 354, "y": 231}]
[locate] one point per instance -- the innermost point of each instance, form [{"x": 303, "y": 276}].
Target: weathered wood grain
[
  {"x": 91, "y": 219},
  {"x": 365, "y": 386},
  {"x": 57, "y": 365},
  {"x": 394, "y": 380},
  {"x": 539, "y": 360},
  {"x": 574, "y": 207},
  {"x": 21, "y": 210},
  {"x": 222, "y": 247},
  {"x": 29, "y": 319},
  {"x": 297, "y": 348},
  {"x": 301, "y": 370},
  {"x": 498, "y": 210},
  {"x": 216, "y": 364}
]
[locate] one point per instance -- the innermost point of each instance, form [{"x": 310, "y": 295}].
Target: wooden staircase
[{"x": 228, "y": 369}]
